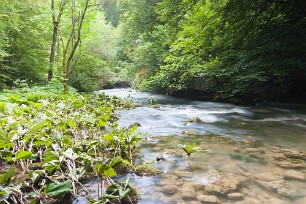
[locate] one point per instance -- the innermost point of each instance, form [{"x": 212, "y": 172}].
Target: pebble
[
  {"x": 188, "y": 194},
  {"x": 208, "y": 199},
  {"x": 235, "y": 196}
]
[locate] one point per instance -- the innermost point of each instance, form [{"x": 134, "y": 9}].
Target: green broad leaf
[
  {"x": 102, "y": 123},
  {"x": 109, "y": 109},
  {"x": 8, "y": 159},
  {"x": 36, "y": 129},
  {"x": 5, "y": 141},
  {"x": 108, "y": 137},
  {"x": 133, "y": 129},
  {"x": 110, "y": 172},
  {"x": 4, "y": 178},
  {"x": 115, "y": 161},
  {"x": 105, "y": 170},
  {"x": 71, "y": 123},
  {"x": 189, "y": 149},
  {"x": 50, "y": 157},
  {"x": 23, "y": 155},
  {"x": 106, "y": 117},
  {"x": 58, "y": 190},
  {"x": 79, "y": 103}
]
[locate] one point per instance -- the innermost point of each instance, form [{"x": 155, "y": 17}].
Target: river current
[{"x": 251, "y": 154}]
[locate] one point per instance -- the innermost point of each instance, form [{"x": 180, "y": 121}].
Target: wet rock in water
[
  {"x": 254, "y": 150},
  {"x": 235, "y": 196},
  {"x": 182, "y": 174},
  {"x": 195, "y": 202},
  {"x": 169, "y": 199},
  {"x": 188, "y": 132},
  {"x": 188, "y": 193},
  {"x": 134, "y": 124},
  {"x": 253, "y": 143},
  {"x": 208, "y": 199},
  {"x": 284, "y": 164},
  {"x": 289, "y": 192},
  {"x": 167, "y": 189},
  {"x": 123, "y": 167},
  {"x": 172, "y": 153},
  {"x": 273, "y": 186},
  {"x": 193, "y": 120},
  {"x": 167, "y": 182},
  {"x": 189, "y": 185},
  {"x": 294, "y": 175},
  {"x": 146, "y": 170},
  {"x": 277, "y": 201},
  {"x": 223, "y": 185},
  {"x": 268, "y": 176},
  {"x": 168, "y": 176}
]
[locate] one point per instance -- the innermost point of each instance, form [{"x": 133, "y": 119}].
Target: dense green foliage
[
  {"x": 239, "y": 51},
  {"x": 227, "y": 50},
  {"x": 24, "y": 35},
  {"x": 26, "y": 38},
  {"x": 50, "y": 142}
]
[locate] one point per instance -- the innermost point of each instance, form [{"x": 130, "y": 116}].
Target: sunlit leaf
[
  {"x": 58, "y": 190},
  {"x": 23, "y": 155},
  {"x": 4, "y": 178}
]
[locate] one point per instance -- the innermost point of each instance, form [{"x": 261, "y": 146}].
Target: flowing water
[{"x": 251, "y": 154}]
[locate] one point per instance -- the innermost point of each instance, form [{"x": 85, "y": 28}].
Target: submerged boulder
[{"x": 223, "y": 185}]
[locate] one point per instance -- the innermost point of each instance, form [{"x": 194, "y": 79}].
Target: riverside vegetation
[{"x": 50, "y": 143}]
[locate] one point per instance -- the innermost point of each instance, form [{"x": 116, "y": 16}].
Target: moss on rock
[
  {"x": 123, "y": 167},
  {"x": 146, "y": 170}
]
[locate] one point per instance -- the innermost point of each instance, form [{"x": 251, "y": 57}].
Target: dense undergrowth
[{"x": 50, "y": 143}]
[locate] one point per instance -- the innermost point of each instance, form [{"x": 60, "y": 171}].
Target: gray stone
[
  {"x": 268, "y": 176},
  {"x": 188, "y": 194},
  {"x": 294, "y": 175},
  {"x": 251, "y": 201},
  {"x": 223, "y": 185},
  {"x": 272, "y": 186},
  {"x": 284, "y": 164},
  {"x": 277, "y": 201},
  {"x": 208, "y": 199},
  {"x": 188, "y": 132},
  {"x": 167, "y": 199},
  {"x": 235, "y": 196},
  {"x": 169, "y": 189},
  {"x": 195, "y": 202}
]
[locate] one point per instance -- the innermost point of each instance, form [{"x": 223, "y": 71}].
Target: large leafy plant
[{"x": 57, "y": 140}]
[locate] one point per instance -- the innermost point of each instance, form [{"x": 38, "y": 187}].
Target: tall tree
[
  {"x": 74, "y": 39},
  {"x": 56, "y": 21}
]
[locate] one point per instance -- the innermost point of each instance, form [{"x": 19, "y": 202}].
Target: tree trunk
[
  {"x": 66, "y": 77},
  {"x": 52, "y": 54},
  {"x": 67, "y": 58},
  {"x": 56, "y": 23}
]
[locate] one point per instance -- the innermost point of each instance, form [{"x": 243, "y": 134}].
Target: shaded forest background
[{"x": 224, "y": 50}]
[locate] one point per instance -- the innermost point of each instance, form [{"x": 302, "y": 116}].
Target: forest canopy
[{"x": 223, "y": 50}]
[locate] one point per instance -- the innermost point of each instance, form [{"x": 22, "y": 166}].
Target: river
[{"x": 251, "y": 154}]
